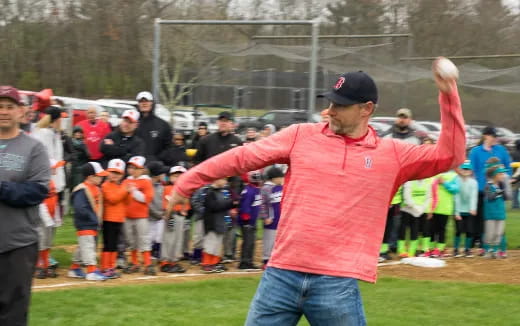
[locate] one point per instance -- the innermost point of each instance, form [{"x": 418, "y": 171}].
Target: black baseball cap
[
  {"x": 353, "y": 88},
  {"x": 225, "y": 115},
  {"x": 157, "y": 168},
  {"x": 274, "y": 172},
  {"x": 489, "y": 130}
]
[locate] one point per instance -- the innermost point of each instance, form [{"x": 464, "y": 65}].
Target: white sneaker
[
  {"x": 76, "y": 273},
  {"x": 96, "y": 276}
]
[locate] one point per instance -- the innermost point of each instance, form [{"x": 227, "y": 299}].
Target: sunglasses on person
[{"x": 202, "y": 128}]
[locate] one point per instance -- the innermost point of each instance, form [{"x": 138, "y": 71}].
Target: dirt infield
[{"x": 478, "y": 269}]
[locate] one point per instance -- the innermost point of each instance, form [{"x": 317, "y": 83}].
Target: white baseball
[{"x": 447, "y": 69}]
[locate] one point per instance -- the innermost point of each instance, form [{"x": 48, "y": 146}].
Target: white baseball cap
[
  {"x": 144, "y": 95},
  {"x": 137, "y": 161},
  {"x": 116, "y": 165},
  {"x": 178, "y": 169},
  {"x": 133, "y": 115}
]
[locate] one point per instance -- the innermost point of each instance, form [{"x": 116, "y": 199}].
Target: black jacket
[
  {"x": 173, "y": 155},
  {"x": 215, "y": 144},
  {"x": 156, "y": 134},
  {"x": 80, "y": 154},
  {"x": 217, "y": 204},
  {"x": 124, "y": 147},
  {"x": 195, "y": 140}
]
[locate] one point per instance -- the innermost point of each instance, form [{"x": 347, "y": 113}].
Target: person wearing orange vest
[
  {"x": 87, "y": 201},
  {"x": 136, "y": 226},
  {"x": 49, "y": 219},
  {"x": 115, "y": 199},
  {"x": 173, "y": 233},
  {"x": 321, "y": 251}
]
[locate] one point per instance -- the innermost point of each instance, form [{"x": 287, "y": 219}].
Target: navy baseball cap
[{"x": 353, "y": 88}]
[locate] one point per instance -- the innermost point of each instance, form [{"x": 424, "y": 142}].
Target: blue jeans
[{"x": 283, "y": 296}]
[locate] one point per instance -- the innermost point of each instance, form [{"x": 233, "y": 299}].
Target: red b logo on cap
[{"x": 339, "y": 83}]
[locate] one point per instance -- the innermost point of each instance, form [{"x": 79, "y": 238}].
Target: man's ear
[{"x": 368, "y": 109}]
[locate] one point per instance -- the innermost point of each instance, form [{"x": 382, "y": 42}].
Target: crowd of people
[
  {"x": 473, "y": 194},
  {"x": 121, "y": 185},
  {"x": 119, "y": 182}
]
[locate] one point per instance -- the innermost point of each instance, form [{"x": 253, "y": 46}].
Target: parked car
[
  {"x": 278, "y": 118},
  {"x": 78, "y": 107},
  {"x": 420, "y": 130},
  {"x": 186, "y": 120},
  {"x": 381, "y": 128}
]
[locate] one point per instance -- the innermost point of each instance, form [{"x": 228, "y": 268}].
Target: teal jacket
[
  {"x": 494, "y": 202},
  {"x": 467, "y": 198}
]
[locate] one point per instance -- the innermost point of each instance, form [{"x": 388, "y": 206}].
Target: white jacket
[{"x": 54, "y": 145}]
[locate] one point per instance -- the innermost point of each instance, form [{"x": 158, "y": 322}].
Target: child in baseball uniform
[
  {"x": 466, "y": 201},
  {"x": 157, "y": 208},
  {"x": 494, "y": 210},
  {"x": 249, "y": 210},
  {"x": 137, "y": 212},
  {"x": 49, "y": 219},
  {"x": 271, "y": 200},
  {"x": 217, "y": 206},
  {"x": 173, "y": 232},
  {"x": 197, "y": 205},
  {"x": 444, "y": 188},
  {"x": 115, "y": 197},
  {"x": 87, "y": 200},
  {"x": 416, "y": 202}
]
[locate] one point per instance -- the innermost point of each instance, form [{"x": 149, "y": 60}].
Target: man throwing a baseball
[{"x": 341, "y": 179}]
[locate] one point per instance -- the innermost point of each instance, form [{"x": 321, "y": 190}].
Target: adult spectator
[
  {"x": 123, "y": 143},
  {"x": 202, "y": 131},
  {"x": 105, "y": 117},
  {"x": 48, "y": 131},
  {"x": 402, "y": 128},
  {"x": 488, "y": 147},
  {"x": 175, "y": 153},
  {"x": 24, "y": 181},
  {"x": 251, "y": 135},
  {"x": 94, "y": 130},
  {"x": 154, "y": 131},
  {"x": 322, "y": 250},
  {"x": 220, "y": 141},
  {"x": 26, "y": 123}
]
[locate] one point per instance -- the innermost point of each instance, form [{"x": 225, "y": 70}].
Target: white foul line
[{"x": 144, "y": 278}]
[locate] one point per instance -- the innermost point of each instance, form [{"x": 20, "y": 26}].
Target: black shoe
[
  {"x": 150, "y": 270},
  {"x": 41, "y": 273},
  {"x": 165, "y": 268},
  {"x": 176, "y": 269},
  {"x": 195, "y": 262},
  {"x": 247, "y": 266},
  {"x": 131, "y": 268},
  {"x": 51, "y": 272}
]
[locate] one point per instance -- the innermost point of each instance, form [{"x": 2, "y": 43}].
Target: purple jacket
[
  {"x": 271, "y": 200},
  {"x": 250, "y": 204}
]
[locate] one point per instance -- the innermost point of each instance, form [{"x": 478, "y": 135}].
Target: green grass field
[
  {"x": 390, "y": 302},
  {"x": 226, "y": 301}
]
